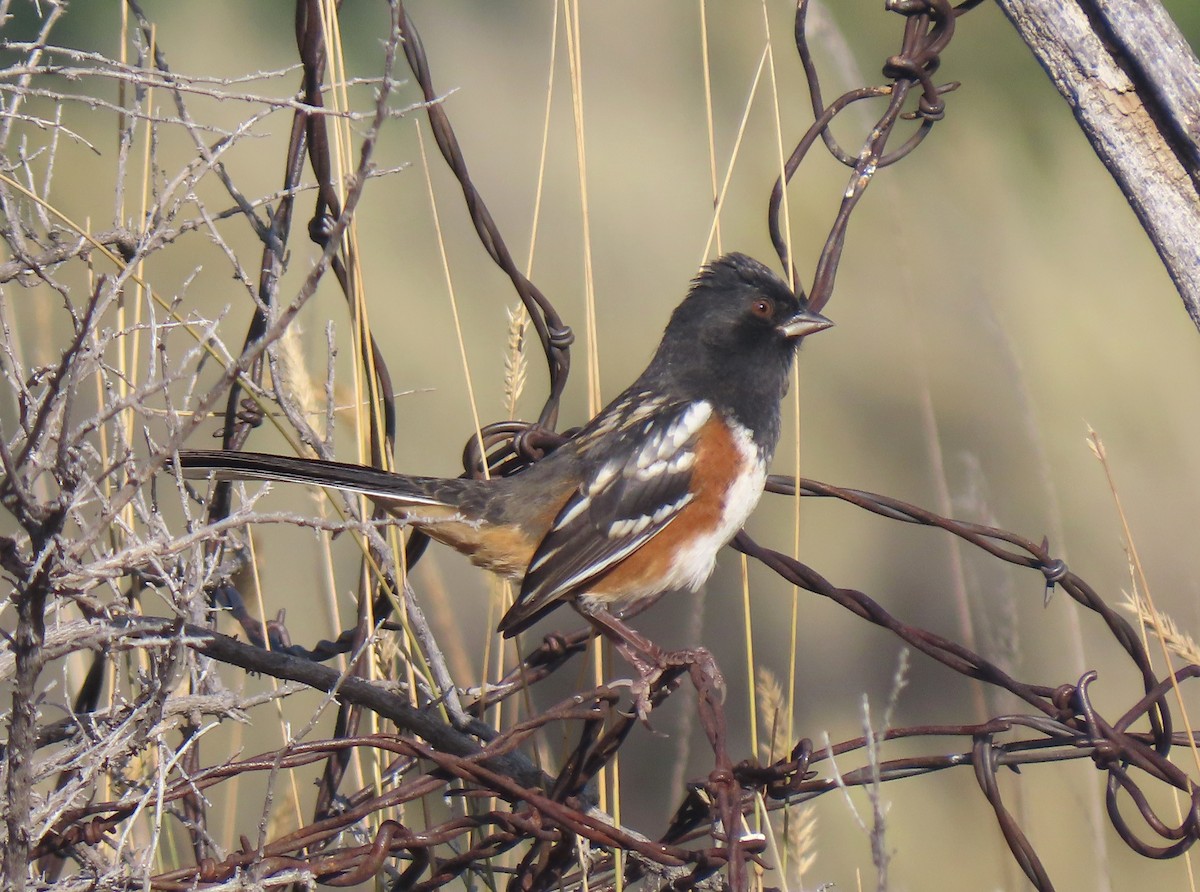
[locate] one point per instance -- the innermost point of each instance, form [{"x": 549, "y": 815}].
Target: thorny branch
[{"x": 98, "y": 541}]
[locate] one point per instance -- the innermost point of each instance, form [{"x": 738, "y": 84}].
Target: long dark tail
[{"x": 397, "y": 489}]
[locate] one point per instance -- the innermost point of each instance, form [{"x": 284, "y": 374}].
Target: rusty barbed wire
[
  {"x": 508, "y": 446},
  {"x": 555, "y": 336},
  {"x": 929, "y": 27},
  {"x": 546, "y": 812}
]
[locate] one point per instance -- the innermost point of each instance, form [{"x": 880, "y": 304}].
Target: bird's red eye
[{"x": 763, "y": 307}]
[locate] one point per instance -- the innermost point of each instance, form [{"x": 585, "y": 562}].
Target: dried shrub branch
[{"x": 100, "y": 535}]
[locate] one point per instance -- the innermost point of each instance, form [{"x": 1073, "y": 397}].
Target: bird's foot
[
  {"x": 644, "y": 688},
  {"x": 652, "y": 665},
  {"x": 640, "y": 690}
]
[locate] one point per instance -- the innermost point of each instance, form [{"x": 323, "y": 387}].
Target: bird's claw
[{"x": 639, "y": 691}]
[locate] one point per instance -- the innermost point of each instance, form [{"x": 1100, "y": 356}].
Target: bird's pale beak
[{"x": 805, "y": 322}]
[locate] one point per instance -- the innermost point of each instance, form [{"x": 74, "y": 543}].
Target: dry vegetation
[{"x": 169, "y": 729}]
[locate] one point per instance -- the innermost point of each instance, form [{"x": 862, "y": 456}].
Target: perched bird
[{"x": 640, "y": 500}]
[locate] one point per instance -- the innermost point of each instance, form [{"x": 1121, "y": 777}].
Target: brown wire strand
[
  {"x": 1063, "y": 720},
  {"x": 542, "y": 814}
]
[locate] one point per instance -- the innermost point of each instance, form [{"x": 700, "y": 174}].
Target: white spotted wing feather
[{"x": 639, "y": 487}]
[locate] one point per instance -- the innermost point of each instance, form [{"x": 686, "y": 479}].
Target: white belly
[{"x": 695, "y": 564}]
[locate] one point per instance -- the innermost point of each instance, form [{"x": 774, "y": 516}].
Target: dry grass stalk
[
  {"x": 1162, "y": 626},
  {"x": 515, "y": 363},
  {"x": 798, "y": 822},
  {"x": 296, "y": 380}
]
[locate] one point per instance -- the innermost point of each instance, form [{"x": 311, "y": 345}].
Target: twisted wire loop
[
  {"x": 543, "y": 814},
  {"x": 1070, "y": 723},
  {"x": 1063, "y": 723},
  {"x": 985, "y": 763},
  {"x": 928, "y": 29},
  {"x": 518, "y": 443},
  {"x": 555, "y": 336}
]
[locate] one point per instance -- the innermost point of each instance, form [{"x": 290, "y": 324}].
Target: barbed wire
[{"x": 510, "y": 803}]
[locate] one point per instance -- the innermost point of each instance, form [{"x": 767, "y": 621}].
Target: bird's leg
[
  {"x": 639, "y": 651},
  {"x": 650, "y": 660}
]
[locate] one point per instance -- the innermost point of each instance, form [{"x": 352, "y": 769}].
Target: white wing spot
[
  {"x": 640, "y": 524},
  {"x": 682, "y": 461},
  {"x": 693, "y": 419},
  {"x": 633, "y": 526},
  {"x": 640, "y": 412},
  {"x": 649, "y": 472},
  {"x": 670, "y": 465},
  {"x": 603, "y": 477},
  {"x": 617, "y": 529},
  {"x": 665, "y": 444},
  {"x": 575, "y": 510},
  {"x": 667, "y": 510}
]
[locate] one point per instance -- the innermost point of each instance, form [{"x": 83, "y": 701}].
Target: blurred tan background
[{"x": 996, "y": 297}]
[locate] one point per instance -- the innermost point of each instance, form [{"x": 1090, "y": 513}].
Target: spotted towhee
[{"x": 638, "y": 502}]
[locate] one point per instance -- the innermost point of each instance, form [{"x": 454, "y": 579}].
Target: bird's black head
[{"x": 733, "y": 338}]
